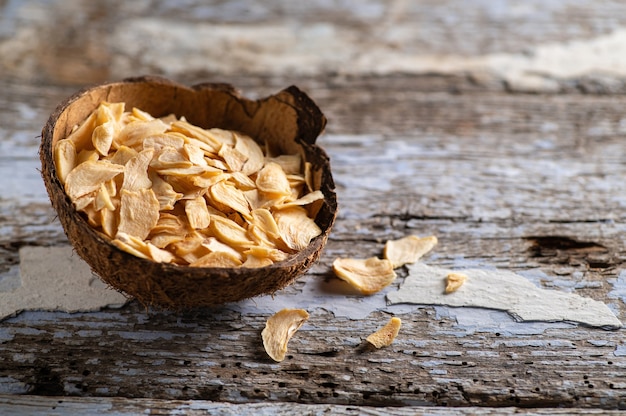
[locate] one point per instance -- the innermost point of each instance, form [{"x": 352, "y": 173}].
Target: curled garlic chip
[
  {"x": 295, "y": 227},
  {"x": 272, "y": 179},
  {"x": 102, "y": 137},
  {"x": 64, "y": 158},
  {"x": 408, "y": 249},
  {"x": 87, "y": 177},
  {"x": 279, "y": 329},
  {"x": 228, "y": 231},
  {"x": 143, "y": 249},
  {"x": 385, "y": 335},
  {"x": 255, "y": 159},
  {"x": 454, "y": 281},
  {"x": 231, "y": 197},
  {"x": 368, "y": 276}
]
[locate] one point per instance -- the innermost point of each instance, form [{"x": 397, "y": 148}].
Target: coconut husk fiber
[{"x": 288, "y": 121}]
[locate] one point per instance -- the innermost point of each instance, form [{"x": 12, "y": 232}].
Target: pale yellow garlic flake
[
  {"x": 234, "y": 159},
  {"x": 241, "y": 181},
  {"x": 133, "y": 134},
  {"x": 141, "y": 115},
  {"x": 213, "y": 245},
  {"x": 123, "y": 244},
  {"x": 279, "y": 329},
  {"x": 368, "y": 276},
  {"x": 194, "y": 154},
  {"x": 108, "y": 222},
  {"x": 253, "y": 262},
  {"x": 64, "y": 158},
  {"x": 230, "y": 197},
  {"x": 296, "y": 228},
  {"x": 136, "y": 171},
  {"x": 164, "y": 192},
  {"x": 87, "y": 156},
  {"x": 211, "y": 141},
  {"x": 122, "y": 155},
  {"x": 408, "y": 249},
  {"x": 305, "y": 200},
  {"x": 273, "y": 180},
  {"x": 255, "y": 159},
  {"x": 166, "y": 140},
  {"x": 169, "y": 157},
  {"x": 217, "y": 259},
  {"x": 102, "y": 137},
  {"x": 87, "y": 177},
  {"x": 273, "y": 254},
  {"x": 385, "y": 335},
  {"x": 197, "y": 213},
  {"x": 263, "y": 227},
  {"x": 139, "y": 212},
  {"x": 229, "y": 232},
  {"x": 81, "y": 136},
  {"x": 454, "y": 281},
  {"x": 103, "y": 199},
  {"x": 291, "y": 164}
]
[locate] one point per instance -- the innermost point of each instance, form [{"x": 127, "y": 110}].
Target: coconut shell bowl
[{"x": 287, "y": 123}]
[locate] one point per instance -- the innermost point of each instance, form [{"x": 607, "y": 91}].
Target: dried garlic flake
[
  {"x": 368, "y": 276},
  {"x": 279, "y": 329},
  {"x": 385, "y": 335},
  {"x": 408, "y": 249},
  {"x": 454, "y": 281}
]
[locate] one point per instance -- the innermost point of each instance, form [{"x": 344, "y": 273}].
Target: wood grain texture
[
  {"x": 69, "y": 406},
  {"x": 483, "y": 172},
  {"x": 531, "y": 183},
  {"x": 35, "y": 406}
]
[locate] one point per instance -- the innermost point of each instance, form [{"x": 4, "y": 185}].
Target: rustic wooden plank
[
  {"x": 39, "y": 405},
  {"x": 312, "y": 38},
  {"x": 217, "y": 356},
  {"x": 530, "y": 183}
]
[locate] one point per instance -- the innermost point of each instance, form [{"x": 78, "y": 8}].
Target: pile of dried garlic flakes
[{"x": 167, "y": 190}]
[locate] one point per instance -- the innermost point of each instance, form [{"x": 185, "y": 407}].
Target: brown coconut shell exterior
[{"x": 289, "y": 121}]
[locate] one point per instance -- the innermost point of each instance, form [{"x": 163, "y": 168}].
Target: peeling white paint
[
  {"x": 53, "y": 278},
  {"x": 499, "y": 292},
  {"x": 470, "y": 320},
  {"x": 9, "y": 385},
  {"x": 502, "y": 290},
  {"x": 332, "y": 295},
  {"x": 620, "y": 351}
]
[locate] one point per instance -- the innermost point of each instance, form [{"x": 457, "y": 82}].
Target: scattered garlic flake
[
  {"x": 368, "y": 276},
  {"x": 408, "y": 249},
  {"x": 279, "y": 329},
  {"x": 454, "y": 281},
  {"x": 385, "y": 335}
]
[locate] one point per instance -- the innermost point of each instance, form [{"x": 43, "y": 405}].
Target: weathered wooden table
[{"x": 499, "y": 127}]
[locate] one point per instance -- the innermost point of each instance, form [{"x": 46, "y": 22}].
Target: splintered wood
[{"x": 167, "y": 190}]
